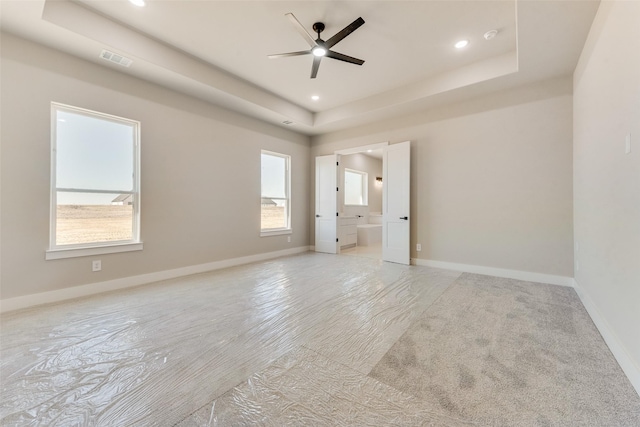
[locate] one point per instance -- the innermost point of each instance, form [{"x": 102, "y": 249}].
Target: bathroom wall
[{"x": 373, "y": 167}]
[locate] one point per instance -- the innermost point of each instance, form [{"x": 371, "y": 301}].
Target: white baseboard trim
[
  {"x": 629, "y": 367},
  {"x": 498, "y": 272},
  {"x": 26, "y": 301}
]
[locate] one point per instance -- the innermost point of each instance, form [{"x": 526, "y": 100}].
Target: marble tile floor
[{"x": 303, "y": 340}]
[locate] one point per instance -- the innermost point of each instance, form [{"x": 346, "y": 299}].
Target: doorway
[
  {"x": 360, "y": 203},
  {"x": 348, "y": 191}
]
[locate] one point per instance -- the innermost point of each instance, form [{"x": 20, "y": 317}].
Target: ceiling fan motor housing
[{"x": 318, "y": 27}]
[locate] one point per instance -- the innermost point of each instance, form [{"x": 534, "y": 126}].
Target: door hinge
[
  {"x": 337, "y": 163},
  {"x": 336, "y": 240},
  {"x": 337, "y": 189},
  {"x": 336, "y": 213}
]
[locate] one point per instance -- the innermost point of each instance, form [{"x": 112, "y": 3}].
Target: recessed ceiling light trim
[
  {"x": 461, "y": 44},
  {"x": 315, "y": 97},
  {"x": 139, "y": 3}
]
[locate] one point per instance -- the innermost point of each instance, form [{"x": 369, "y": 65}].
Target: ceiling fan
[{"x": 319, "y": 47}]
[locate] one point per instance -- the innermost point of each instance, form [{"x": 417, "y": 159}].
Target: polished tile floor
[{"x": 312, "y": 339}]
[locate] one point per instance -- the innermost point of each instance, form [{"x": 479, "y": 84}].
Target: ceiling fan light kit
[{"x": 319, "y": 47}]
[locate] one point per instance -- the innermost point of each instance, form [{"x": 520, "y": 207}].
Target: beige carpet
[{"x": 505, "y": 352}]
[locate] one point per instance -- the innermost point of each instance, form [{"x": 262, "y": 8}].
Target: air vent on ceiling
[
  {"x": 287, "y": 122},
  {"x": 114, "y": 57}
]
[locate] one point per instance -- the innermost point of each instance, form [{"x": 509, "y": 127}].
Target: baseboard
[
  {"x": 26, "y": 301},
  {"x": 497, "y": 272},
  {"x": 629, "y": 367}
]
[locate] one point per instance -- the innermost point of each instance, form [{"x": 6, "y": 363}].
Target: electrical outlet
[
  {"x": 289, "y": 239},
  {"x": 96, "y": 265},
  {"x": 418, "y": 247}
]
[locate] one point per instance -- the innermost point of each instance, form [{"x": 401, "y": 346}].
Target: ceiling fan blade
[
  {"x": 315, "y": 66},
  {"x": 284, "y": 55},
  {"x": 344, "y": 32},
  {"x": 345, "y": 58},
  {"x": 305, "y": 34}
]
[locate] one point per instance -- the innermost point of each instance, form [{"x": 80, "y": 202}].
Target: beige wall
[
  {"x": 200, "y": 172},
  {"x": 363, "y": 163},
  {"x": 606, "y": 180},
  {"x": 491, "y": 178}
]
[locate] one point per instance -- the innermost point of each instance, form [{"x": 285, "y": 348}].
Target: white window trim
[
  {"x": 276, "y": 232},
  {"x": 266, "y": 232},
  {"x": 52, "y": 254},
  {"x": 365, "y": 186},
  {"x": 93, "y": 248}
]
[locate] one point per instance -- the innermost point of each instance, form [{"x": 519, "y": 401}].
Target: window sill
[
  {"x": 275, "y": 232},
  {"x": 52, "y": 254}
]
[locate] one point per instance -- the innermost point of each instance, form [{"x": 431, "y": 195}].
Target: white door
[
  {"x": 395, "y": 203},
  {"x": 326, "y": 204}
]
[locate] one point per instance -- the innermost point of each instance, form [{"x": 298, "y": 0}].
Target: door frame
[{"x": 357, "y": 150}]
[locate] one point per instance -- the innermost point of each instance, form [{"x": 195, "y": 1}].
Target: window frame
[
  {"x": 364, "y": 190},
  {"x": 56, "y": 251},
  {"x": 264, "y": 232}
]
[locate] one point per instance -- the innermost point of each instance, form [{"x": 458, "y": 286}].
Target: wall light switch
[
  {"x": 627, "y": 144},
  {"x": 418, "y": 247}
]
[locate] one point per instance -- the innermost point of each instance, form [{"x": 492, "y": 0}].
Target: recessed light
[
  {"x": 315, "y": 97},
  {"x": 461, "y": 44},
  {"x": 139, "y": 3},
  {"x": 369, "y": 151}
]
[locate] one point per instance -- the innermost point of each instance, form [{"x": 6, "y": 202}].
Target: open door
[
  {"x": 326, "y": 204},
  {"x": 395, "y": 203}
]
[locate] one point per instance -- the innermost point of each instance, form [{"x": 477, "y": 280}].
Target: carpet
[{"x": 505, "y": 352}]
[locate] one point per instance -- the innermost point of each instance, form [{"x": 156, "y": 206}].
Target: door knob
[
  {"x": 404, "y": 217},
  {"x": 317, "y": 216}
]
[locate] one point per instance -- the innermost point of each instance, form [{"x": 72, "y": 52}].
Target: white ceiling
[{"x": 217, "y": 50}]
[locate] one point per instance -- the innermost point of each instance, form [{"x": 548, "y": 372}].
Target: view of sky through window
[{"x": 93, "y": 154}]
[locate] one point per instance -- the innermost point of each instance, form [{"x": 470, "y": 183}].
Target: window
[
  {"x": 275, "y": 199},
  {"x": 95, "y": 198},
  {"x": 355, "y": 187}
]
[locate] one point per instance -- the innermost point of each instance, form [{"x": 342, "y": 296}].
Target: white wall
[
  {"x": 491, "y": 178},
  {"x": 607, "y": 181},
  {"x": 200, "y": 173}
]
